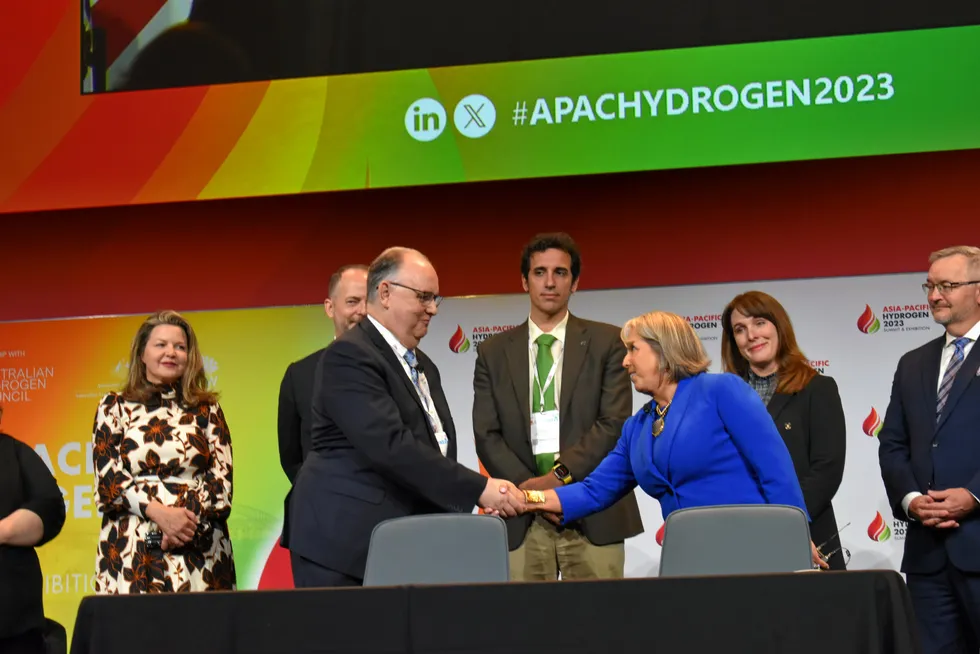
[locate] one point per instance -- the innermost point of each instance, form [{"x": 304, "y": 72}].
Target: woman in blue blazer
[{"x": 705, "y": 439}]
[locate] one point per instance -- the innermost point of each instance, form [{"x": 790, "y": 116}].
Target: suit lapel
[
  {"x": 930, "y": 373},
  {"x": 573, "y": 356},
  {"x": 391, "y": 359},
  {"x": 964, "y": 377},
  {"x": 777, "y": 404},
  {"x": 675, "y": 416},
  {"x": 932, "y": 358},
  {"x": 520, "y": 371}
]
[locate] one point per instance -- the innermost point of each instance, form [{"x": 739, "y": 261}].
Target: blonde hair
[
  {"x": 193, "y": 383},
  {"x": 971, "y": 253},
  {"x": 676, "y": 343}
]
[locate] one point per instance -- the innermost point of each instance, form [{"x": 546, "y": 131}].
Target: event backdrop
[
  {"x": 53, "y": 373},
  {"x": 866, "y": 94}
]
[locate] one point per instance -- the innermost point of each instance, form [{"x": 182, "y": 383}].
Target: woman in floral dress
[{"x": 162, "y": 454}]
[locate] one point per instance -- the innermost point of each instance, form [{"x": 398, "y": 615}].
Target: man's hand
[
  {"x": 956, "y": 502},
  {"x": 930, "y": 513},
  {"x": 500, "y": 497},
  {"x": 553, "y": 518},
  {"x": 544, "y": 482}
]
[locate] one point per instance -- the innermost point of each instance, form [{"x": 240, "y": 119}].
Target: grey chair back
[
  {"x": 445, "y": 548},
  {"x": 735, "y": 539}
]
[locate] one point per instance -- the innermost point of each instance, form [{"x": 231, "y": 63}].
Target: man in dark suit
[
  {"x": 930, "y": 458},
  {"x": 383, "y": 439},
  {"x": 550, "y": 400},
  {"x": 346, "y": 305}
]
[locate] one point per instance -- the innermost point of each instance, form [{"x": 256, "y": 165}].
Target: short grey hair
[
  {"x": 337, "y": 276},
  {"x": 972, "y": 254}
]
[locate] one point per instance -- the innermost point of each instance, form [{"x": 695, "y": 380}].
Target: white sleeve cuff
[{"x": 908, "y": 500}]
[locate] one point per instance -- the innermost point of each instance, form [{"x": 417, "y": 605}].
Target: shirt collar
[
  {"x": 533, "y": 331},
  {"x": 395, "y": 344},
  {"x": 973, "y": 335},
  {"x": 770, "y": 377}
]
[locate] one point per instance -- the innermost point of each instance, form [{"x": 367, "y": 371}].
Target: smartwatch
[{"x": 561, "y": 471}]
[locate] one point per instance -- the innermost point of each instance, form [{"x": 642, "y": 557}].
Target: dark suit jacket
[
  {"x": 295, "y": 413},
  {"x": 295, "y": 423},
  {"x": 918, "y": 454},
  {"x": 812, "y": 425},
  {"x": 594, "y": 402},
  {"x": 374, "y": 454}
]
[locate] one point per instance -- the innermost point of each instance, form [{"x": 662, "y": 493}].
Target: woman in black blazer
[
  {"x": 32, "y": 512},
  {"x": 759, "y": 345}
]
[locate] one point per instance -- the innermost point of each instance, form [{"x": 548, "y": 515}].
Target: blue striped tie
[
  {"x": 954, "y": 366},
  {"x": 413, "y": 364}
]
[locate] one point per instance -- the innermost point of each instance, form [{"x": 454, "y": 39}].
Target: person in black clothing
[
  {"x": 32, "y": 512},
  {"x": 759, "y": 345},
  {"x": 345, "y": 305}
]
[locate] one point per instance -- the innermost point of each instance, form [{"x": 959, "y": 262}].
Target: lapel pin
[
  {"x": 788, "y": 425},
  {"x": 583, "y": 342}
]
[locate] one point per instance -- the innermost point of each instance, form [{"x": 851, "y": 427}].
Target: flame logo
[
  {"x": 660, "y": 535},
  {"x": 872, "y": 424},
  {"x": 878, "y": 530},
  {"x": 868, "y": 322},
  {"x": 458, "y": 342}
]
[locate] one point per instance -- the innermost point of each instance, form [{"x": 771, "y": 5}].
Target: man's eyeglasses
[
  {"x": 425, "y": 297},
  {"x": 946, "y": 287}
]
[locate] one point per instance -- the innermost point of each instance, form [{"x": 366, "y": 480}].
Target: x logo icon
[{"x": 474, "y": 115}]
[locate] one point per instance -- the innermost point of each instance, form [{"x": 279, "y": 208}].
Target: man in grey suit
[{"x": 550, "y": 400}]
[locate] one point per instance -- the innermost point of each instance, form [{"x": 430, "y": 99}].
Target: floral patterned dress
[{"x": 178, "y": 456}]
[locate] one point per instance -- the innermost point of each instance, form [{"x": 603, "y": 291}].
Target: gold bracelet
[{"x": 534, "y": 496}]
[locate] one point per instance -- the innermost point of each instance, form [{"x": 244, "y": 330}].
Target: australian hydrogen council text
[{"x": 646, "y": 103}]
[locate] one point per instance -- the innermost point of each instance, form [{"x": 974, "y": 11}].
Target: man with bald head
[{"x": 383, "y": 439}]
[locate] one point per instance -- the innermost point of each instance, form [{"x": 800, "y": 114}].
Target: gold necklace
[{"x": 658, "y": 424}]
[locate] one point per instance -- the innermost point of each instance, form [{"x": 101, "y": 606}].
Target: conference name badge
[
  {"x": 443, "y": 441},
  {"x": 544, "y": 432}
]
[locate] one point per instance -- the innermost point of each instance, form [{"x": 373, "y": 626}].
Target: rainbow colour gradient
[
  {"x": 874, "y": 94},
  {"x": 73, "y": 363}
]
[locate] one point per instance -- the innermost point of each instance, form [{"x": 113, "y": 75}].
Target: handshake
[{"x": 502, "y": 498}]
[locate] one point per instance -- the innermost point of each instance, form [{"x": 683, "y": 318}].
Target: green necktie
[{"x": 544, "y": 362}]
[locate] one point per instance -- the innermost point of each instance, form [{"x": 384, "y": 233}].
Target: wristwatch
[{"x": 561, "y": 471}]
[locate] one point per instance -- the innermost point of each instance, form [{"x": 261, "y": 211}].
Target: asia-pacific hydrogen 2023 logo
[
  {"x": 872, "y": 424},
  {"x": 868, "y": 323},
  {"x": 878, "y": 530},
  {"x": 458, "y": 341},
  {"x": 898, "y": 317}
]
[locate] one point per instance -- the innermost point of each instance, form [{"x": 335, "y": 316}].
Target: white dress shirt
[
  {"x": 423, "y": 387},
  {"x": 944, "y": 361},
  {"x": 557, "y": 351}
]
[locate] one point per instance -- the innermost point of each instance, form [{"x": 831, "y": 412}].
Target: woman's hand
[
  {"x": 545, "y": 501},
  {"x": 177, "y": 524},
  {"x": 818, "y": 560}
]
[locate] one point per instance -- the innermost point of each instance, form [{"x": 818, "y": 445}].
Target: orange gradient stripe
[
  {"x": 25, "y": 34},
  {"x": 210, "y": 135},
  {"x": 39, "y": 112},
  {"x": 131, "y": 134}
]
